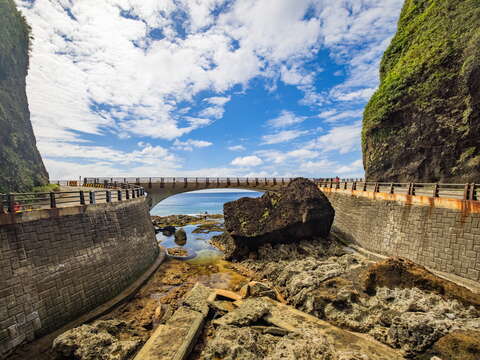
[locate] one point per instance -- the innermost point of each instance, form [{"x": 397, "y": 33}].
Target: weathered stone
[
  {"x": 180, "y": 237},
  {"x": 250, "y": 311},
  {"x": 402, "y": 273},
  {"x": 458, "y": 344},
  {"x": 99, "y": 340},
  {"x": 197, "y": 298},
  {"x": 298, "y": 211}
]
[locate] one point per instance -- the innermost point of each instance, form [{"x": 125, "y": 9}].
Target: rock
[
  {"x": 258, "y": 289},
  {"x": 402, "y": 273},
  {"x": 167, "y": 230},
  {"x": 180, "y": 237},
  {"x": 100, "y": 340},
  {"x": 197, "y": 298},
  {"x": 423, "y": 122},
  {"x": 21, "y": 166},
  {"x": 458, "y": 344},
  {"x": 297, "y": 212},
  {"x": 250, "y": 311}
]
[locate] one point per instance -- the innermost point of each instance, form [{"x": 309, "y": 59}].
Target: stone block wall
[
  {"x": 58, "y": 264},
  {"x": 442, "y": 234}
]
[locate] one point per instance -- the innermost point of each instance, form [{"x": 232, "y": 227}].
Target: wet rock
[
  {"x": 402, "y": 273},
  {"x": 299, "y": 211},
  {"x": 100, "y": 340},
  {"x": 180, "y": 237}
]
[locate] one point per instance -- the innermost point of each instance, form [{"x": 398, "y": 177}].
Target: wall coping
[
  {"x": 464, "y": 206},
  {"x": 23, "y": 217}
]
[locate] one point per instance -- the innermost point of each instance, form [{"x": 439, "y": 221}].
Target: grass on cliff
[{"x": 434, "y": 39}]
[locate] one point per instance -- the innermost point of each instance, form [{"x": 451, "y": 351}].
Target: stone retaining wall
[
  {"x": 442, "y": 234},
  {"x": 61, "y": 263}
]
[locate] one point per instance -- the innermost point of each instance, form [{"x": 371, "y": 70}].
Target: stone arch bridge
[{"x": 160, "y": 188}]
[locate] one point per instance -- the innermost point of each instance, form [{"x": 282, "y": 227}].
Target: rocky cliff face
[
  {"x": 423, "y": 123},
  {"x": 21, "y": 166}
]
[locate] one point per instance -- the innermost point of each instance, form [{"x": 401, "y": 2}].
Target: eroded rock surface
[
  {"x": 297, "y": 212},
  {"x": 98, "y": 341},
  {"x": 396, "y": 301}
]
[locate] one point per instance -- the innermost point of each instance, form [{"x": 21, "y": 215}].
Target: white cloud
[
  {"x": 341, "y": 138},
  {"x": 279, "y": 157},
  {"x": 237, "y": 148},
  {"x": 247, "y": 161},
  {"x": 282, "y": 136},
  {"x": 351, "y": 170},
  {"x": 189, "y": 144},
  {"x": 332, "y": 116},
  {"x": 286, "y": 118}
]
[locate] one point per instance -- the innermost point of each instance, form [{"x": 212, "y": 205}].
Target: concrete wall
[
  {"x": 58, "y": 264},
  {"x": 442, "y": 234}
]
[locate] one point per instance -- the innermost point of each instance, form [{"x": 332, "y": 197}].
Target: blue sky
[{"x": 204, "y": 87}]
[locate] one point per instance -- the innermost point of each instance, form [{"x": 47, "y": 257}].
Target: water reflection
[{"x": 197, "y": 245}]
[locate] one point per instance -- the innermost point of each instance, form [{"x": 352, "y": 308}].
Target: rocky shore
[{"x": 300, "y": 296}]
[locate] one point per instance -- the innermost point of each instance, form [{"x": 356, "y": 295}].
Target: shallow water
[{"x": 197, "y": 243}]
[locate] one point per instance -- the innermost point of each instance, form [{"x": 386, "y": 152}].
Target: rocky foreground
[{"x": 302, "y": 296}]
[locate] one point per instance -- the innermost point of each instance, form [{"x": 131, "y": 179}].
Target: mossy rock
[{"x": 423, "y": 122}]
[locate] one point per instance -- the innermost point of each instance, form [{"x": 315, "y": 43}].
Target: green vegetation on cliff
[
  {"x": 423, "y": 123},
  {"x": 21, "y": 167}
]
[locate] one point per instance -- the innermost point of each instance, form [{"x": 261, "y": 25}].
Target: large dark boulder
[{"x": 297, "y": 212}]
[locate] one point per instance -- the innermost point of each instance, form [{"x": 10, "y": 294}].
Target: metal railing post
[
  {"x": 133, "y": 193},
  {"x": 473, "y": 195},
  {"x": 392, "y": 189},
  {"x": 108, "y": 196},
  {"x": 53, "y": 202},
  {"x": 207, "y": 182},
  {"x": 174, "y": 181},
  {"x": 436, "y": 190},
  {"x": 228, "y": 182},
  {"x": 127, "y": 194},
  {"x": 466, "y": 189},
  {"x": 82, "y": 197},
  {"x": 162, "y": 183},
  {"x": 238, "y": 181},
  {"x": 119, "y": 195},
  {"x": 413, "y": 189},
  {"x": 150, "y": 183},
  {"x": 91, "y": 196},
  {"x": 256, "y": 182},
  {"x": 218, "y": 182},
  {"x": 185, "y": 180},
  {"x": 11, "y": 203}
]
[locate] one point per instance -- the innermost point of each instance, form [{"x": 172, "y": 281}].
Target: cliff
[
  {"x": 423, "y": 123},
  {"x": 21, "y": 166}
]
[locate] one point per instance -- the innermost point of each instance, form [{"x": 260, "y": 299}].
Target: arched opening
[{"x": 199, "y": 214}]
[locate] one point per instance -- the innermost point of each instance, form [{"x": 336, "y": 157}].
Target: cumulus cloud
[
  {"x": 332, "y": 116},
  {"x": 237, "y": 148},
  {"x": 282, "y": 136},
  {"x": 286, "y": 118},
  {"x": 343, "y": 139},
  {"x": 189, "y": 144},
  {"x": 247, "y": 161}
]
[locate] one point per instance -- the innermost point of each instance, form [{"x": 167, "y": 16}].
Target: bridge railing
[
  {"x": 468, "y": 191},
  {"x": 20, "y": 202}
]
